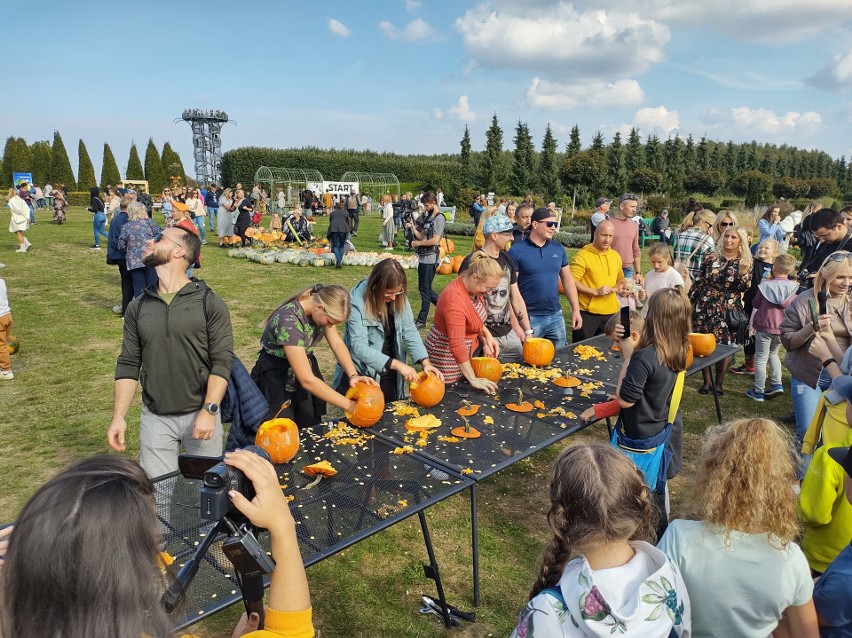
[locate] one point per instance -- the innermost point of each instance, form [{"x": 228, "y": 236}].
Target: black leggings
[{"x": 240, "y": 231}]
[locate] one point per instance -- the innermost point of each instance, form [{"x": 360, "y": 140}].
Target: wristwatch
[{"x": 212, "y": 408}]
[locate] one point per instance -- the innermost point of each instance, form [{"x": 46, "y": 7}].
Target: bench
[{"x": 643, "y": 237}]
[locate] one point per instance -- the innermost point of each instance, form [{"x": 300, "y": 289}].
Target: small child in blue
[{"x": 5, "y": 328}]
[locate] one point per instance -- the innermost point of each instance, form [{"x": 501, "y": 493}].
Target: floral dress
[
  {"x": 719, "y": 287},
  {"x": 59, "y": 206}
]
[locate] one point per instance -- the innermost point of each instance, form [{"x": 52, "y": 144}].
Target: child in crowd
[
  {"x": 5, "y": 329},
  {"x": 761, "y": 268},
  {"x": 770, "y": 300},
  {"x": 611, "y": 408},
  {"x": 275, "y": 222},
  {"x": 823, "y": 507},
  {"x": 280, "y": 200},
  {"x": 601, "y": 511},
  {"x": 833, "y": 590},
  {"x": 662, "y": 274}
]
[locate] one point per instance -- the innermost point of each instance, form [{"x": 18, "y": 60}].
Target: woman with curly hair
[
  {"x": 745, "y": 575},
  {"x": 602, "y": 515},
  {"x": 717, "y": 294}
]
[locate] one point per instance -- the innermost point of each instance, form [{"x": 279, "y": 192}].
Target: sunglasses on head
[
  {"x": 839, "y": 256},
  {"x": 630, "y": 198}
]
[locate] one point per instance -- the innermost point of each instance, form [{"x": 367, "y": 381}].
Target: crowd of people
[{"x": 616, "y": 564}]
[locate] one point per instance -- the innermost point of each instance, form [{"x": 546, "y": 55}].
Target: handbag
[
  {"x": 737, "y": 321},
  {"x": 651, "y": 456}
]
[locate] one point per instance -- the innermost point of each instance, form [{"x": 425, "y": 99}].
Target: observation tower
[{"x": 207, "y": 141}]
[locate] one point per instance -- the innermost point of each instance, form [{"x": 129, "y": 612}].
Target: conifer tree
[
  {"x": 574, "y": 145},
  {"x": 493, "y": 170},
  {"x": 548, "y": 167},
  {"x": 110, "y": 175},
  {"x": 464, "y": 158},
  {"x": 689, "y": 155},
  {"x": 523, "y": 166},
  {"x": 617, "y": 175},
  {"x": 41, "y": 153},
  {"x": 17, "y": 158},
  {"x": 597, "y": 143},
  {"x": 154, "y": 169},
  {"x": 85, "y": 170},
  {"x": 172, "y": 166},
  {"x": 702, "y": 155},
  {"x": 134, "y": 165},
  {"x": 60, "y": 165},
  {"x": 633, "y": 157}
]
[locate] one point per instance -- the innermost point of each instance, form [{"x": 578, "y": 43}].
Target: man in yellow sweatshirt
[{"x": 596, "y": 269}]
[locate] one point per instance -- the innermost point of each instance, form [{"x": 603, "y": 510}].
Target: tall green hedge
[
  {"x": 17, "y": 158},
  {"x": 134, "y": 165},
  {"x": 154, "y": 169},
  {"x": 172, "y": 165},
  {"x": 85, "y": 170},
  {"x": 41, "y": 153},
  {"x": 240, "y": 165},
  {"x": 110, "y": 175},
  {"x": 60, "y": 165}
]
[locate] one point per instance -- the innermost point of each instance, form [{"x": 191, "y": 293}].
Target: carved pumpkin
[
  {"x": 538, "y": 352},
  {"x": 423, "y": 423},
  {"x": 689, "y": 356},
  {"x": 428, "y": 390},
  {"x": 487, "y": 368},
  {"x": 467, "y": 409},
  {"x": 521, "y": 405},
  {"x": 369, "y": 404},
  {"x": 465, "y": 431},
  {"x": 702, "y": 344},
  {"x": 280, "y": 439},
  {"x": 567, "y": 382}
]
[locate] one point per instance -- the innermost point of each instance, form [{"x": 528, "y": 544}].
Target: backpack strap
[{"x": 677, "y": 392}]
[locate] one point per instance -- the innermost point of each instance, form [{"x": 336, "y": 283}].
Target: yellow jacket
[
  {"x": 828, "y": 425},
  {"x": 291, "y": 624},
  {"x": 593, "y": 268}
]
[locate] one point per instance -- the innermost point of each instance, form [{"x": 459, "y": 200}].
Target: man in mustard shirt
[{"x": 597, "y": 271}]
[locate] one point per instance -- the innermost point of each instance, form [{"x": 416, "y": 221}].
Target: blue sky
[{"x": 407, "y": 75}]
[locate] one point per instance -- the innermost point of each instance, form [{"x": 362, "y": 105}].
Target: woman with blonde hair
[
  {"x": 132, "y": 241},
  {"x": 717, "y": 297},
  {"x": 380, "y": 332},
  {"x": 286, "y": 368},
  {"x": 195, "y": 204},
  {"x": 745, "y": 575},
  {"x": 459, "y": 327},
  {"x": 692, "y": 244},
  {"x": 724, "y": 219},
  {"x": 599, "y": 574},
  {"x": 20, "y": 220}
]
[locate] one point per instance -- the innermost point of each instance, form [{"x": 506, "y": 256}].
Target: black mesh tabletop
[
  {"x": 602, "y": 363},
  {"x": 372, "y": 490},
  {"x": 506, "y": 436}
]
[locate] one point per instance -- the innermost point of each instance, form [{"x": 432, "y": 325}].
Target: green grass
[{"x": 58, "y": 407}]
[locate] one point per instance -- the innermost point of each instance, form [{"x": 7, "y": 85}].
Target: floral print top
[
  {"x": 132, "y": 240},
  {"x": 653, "y": 605},
  {"x": 289, "y": 326},
  {"x": 718, "y": 287}
]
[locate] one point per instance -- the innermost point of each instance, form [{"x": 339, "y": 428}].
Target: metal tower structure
[{"x": 207, "y": 142}]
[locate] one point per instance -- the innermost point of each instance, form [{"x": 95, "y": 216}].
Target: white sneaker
[
  {"x": 6, "y": 374},
  {"x": 2, "y": 265},
  {"x": 117, "y": 309},
  {"x": 22, "y": 249},
  {"x": 27, "y": 243}
]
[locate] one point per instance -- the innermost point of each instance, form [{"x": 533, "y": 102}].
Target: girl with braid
[{"x": 599, "y": 574}]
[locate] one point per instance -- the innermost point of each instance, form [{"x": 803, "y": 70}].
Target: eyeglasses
[{"x": 160, "y": 236}]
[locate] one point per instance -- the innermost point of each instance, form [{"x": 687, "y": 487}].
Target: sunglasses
[
  {"x": 160, "y": 236},
  {"x": 390, "y": 293},
  {"x": 629, "y": 198},
  {"x": 549, "y": 224},
  {"x": 726, "y": 224},
  {"x": 839, "y": 256}
]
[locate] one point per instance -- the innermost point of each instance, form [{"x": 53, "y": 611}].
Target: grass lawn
[{"x": 58, "y": 407}]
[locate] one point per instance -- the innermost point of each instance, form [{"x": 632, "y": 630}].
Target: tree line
[{"x": 49, "y": 163}]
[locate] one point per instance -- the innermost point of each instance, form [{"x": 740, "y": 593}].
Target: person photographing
[{"x": 427, "y": 230}]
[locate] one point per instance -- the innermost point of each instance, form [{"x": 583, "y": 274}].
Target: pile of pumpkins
[{"x": 317, "y": 257}]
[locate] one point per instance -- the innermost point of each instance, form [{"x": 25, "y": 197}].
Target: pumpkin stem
[
  {"x": 466, "y": 424},
  {"x": 284, "y": 406},
  {"x": 314, "y": 482},
  {"x": 520, "y": 397}
]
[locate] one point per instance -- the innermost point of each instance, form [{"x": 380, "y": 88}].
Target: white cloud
[
  {"x": 563, "y": 42},
  {"x": 836, "y": 75},
  {"x": 557, "y": 97},
  {"x": 759, "y": 122},
  {"x": 648, "y": 120},
  {"x": 462, "y": 110},
  {"x": 338, "y": 28},
  {"x": 413, "y": 5},
  {"x": 414, "y": 31},
  {"x": 437, "y": 114}
]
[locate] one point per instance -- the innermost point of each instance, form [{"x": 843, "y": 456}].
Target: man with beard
[
  {"x": 505, "y": 301},
  {"x": 179, "y": 345}
]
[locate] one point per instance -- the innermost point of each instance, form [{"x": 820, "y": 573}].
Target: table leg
[
  {"x": 431, "y": 570},
  {"x": 715, "y": 394},
  {"x": 474, "y": 542}
]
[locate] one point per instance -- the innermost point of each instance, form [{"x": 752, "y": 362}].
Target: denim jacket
[{"x": 364, "y": 338}]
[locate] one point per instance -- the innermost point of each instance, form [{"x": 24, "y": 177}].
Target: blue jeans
[
  {"x": 550, "y": 327},
  {"x": 144, "y": 277},
  {"x": 213, "y": 214},
  {"x": 98, "y": 224},
  {"x": 32, "y": 213},
  {"x": 199, "y": 222},
  {"x": 805, "y": 400},
  {"x": 338, "y": 243},
  {"x": 425, "y": 277},
  {"x": 627, "y": 270}
]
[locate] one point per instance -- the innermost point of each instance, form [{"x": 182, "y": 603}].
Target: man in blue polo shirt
[{"x": 541, "y": 263}]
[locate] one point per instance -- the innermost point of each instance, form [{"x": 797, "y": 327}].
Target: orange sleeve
[{"x": 606, "y": 409}]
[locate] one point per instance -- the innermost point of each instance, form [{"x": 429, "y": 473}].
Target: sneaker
[
  {"x": 743, "y": 369},
  {"x": 95, "y": 248},
  {"x": 7, "y": 374},
  {"x": 2, "y": 265},
  {"x": 754, "y": 394},
  {"x": 22, "y": 249},
  {"x": 774, "y": 391},
  {"x": 27, "y": 243},
  {"x": 204, "y": 243},
  {"x": 117, "y": 309}
]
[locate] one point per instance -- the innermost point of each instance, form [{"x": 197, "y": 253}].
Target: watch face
[{"x": 212, "y": 408}]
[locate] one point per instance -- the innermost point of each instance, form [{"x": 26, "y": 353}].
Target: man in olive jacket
[{"x": 179, "y": 346}]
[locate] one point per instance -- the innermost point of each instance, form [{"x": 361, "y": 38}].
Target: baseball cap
[
  {"x": 840, "y": 390},
  {"x": 497, "y": 224},
  {"x": 180, "y": 206},
  {"x": 628, "y": 197},
  {"x": 842, "y": 456},
  {"x": 541, "y": 213},
  {"x": 600, "y": 201}
]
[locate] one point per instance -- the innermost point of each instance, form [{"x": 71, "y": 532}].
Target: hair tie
[{"x": 316, "y": 288}]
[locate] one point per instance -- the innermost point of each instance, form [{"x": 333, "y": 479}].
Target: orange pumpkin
[
  {"x": 465, "y": 431},
  {"x": 467, "y": 409},
  {"x": 520, "y": 405},
  {"x": 689, "y": 357},
  {"x": 449, "y": 245},
  {"x": 445, "y": 268},
  {"x": 428, "y": 390},
  {"x": 702, "y": 344},
  {"x": 538, "y": 352},
  {"x": 487, "y": 368},
  {"x": 567, "y": 382},
  {"x": 280, "y": 439},
  {"x": 456, "y": 263},
  {"x": 369, "y": 404}
]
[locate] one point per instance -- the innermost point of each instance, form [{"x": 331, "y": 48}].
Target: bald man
[{"x": 597, "y": 271}]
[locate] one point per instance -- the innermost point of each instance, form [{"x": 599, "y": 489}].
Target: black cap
[
  {"x": 542, "y": 213},
  {"x": 842, "y": 456}
]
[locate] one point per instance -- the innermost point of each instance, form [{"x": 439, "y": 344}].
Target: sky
[{"x": 408, "y": 75}]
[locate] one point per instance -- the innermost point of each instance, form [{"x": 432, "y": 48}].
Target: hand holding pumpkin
[
  {"x": 405, "y": 371},
  {"x": 428, "y": 368},
  {"x": 353, "y": 381},
  {"x": 487, "y": 386}
]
